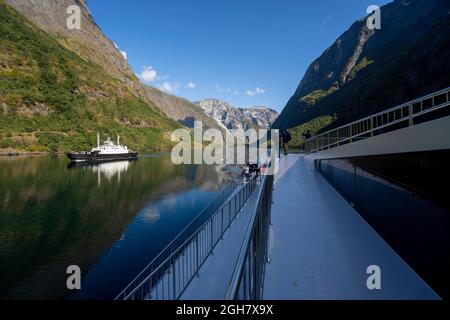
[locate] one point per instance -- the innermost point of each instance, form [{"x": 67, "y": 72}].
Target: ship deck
[{"x": 319, "y": 247}]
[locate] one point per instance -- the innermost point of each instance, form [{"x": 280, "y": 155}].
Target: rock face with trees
[
  {"x": 365, "y": 71},
  {"x": 60, "y": 86}
]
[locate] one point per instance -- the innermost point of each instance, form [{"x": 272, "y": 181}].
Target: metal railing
[
  {"x": 248, "y": 277},
  {"x": 169, "y": 273},
  {"x": 379, "y": 123}
]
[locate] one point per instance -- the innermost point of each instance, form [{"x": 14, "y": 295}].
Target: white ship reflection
[{"x": 108, "y": 170}]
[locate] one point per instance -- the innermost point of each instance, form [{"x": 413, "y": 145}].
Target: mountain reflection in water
[{"x": 110, "y": 219}]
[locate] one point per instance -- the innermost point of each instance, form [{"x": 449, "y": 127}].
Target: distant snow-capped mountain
[{"x": 238, "y": 118}]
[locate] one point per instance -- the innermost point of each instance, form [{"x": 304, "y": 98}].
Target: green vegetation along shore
[{"x": 51, "y": 100}]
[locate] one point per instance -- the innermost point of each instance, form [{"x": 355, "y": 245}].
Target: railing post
[
  {"x": 351, "y": 132},
  {"x": 235, "y": 205},
  {"x": 212, "y": 235},
  {"x": 411, "y": 121},
  {"x": 221, "y": 215},
  {"x": 197, "y": 255},
  {"x": 229, "y": 214},
  {"x": 244, "y": 276},
  {"x": 371, "y": 127},
  {"x": 241, "y": 198},
  {"x": 174, "y": 280}
]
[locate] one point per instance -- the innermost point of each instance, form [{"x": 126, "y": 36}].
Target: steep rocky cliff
[
  {"x": 51, "y": 99},
  {"x": 366, "y": 71},
  {"x": 91, "y": 44},
  {"x": 89, "y": 41},
  {"x": 181, "y": 110},
  {"x": 238, "y": 118}
]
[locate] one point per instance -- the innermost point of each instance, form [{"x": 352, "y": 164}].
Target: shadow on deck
[{"x": 320, "y": 247}]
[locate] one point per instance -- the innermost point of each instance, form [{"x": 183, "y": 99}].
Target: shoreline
[{"x": 13, "y": 154}]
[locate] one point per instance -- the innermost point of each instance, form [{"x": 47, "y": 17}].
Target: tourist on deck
[
  {"x": 285, "y": 137},
  {"x": 246, "y": 171},
  {"x": 307, "y": 135}
]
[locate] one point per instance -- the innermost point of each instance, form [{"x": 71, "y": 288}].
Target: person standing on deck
[{"x": 285, "y": 137}]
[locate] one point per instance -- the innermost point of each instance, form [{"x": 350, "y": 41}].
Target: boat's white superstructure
[{"x": 108, "y": 147}]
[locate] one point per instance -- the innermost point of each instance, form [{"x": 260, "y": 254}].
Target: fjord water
[{"x": 109, "y": 219}]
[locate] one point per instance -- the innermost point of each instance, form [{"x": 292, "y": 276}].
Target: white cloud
[
  {"x": 255, "y": 92},
  {"x": 122, "y": 52},
  {"x": 169, "y": 87},
  {"x": 190, "y": 85},
  {"x": 166, "y": 87},
  {"x": 260, "y": 91},
  {"x": 163, "y": 78},
  {"x": 221, "y": 90},
  {"x": 148, "y": 74},
  {"x": 325, "y": 21}
]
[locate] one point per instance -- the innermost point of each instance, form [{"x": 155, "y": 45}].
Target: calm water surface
[{"x": 110, "y": 219}]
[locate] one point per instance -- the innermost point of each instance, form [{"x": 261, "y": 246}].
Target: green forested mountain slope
[
  {"x": 91, "y": 44},
  {"x": 53, "y": 100}
]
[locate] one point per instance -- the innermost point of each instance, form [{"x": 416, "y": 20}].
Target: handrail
[
  {"x": 371, "y": 124},
  {"x": 212, "y": 206},
  {"x": 180, "y": 262},
  {"x": 248, "y": 275}
]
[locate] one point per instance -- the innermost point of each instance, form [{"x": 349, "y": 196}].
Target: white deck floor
[{"x": 320, "y": 247}]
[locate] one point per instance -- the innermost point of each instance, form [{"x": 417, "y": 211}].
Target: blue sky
[{"x": 246, "y": 52}]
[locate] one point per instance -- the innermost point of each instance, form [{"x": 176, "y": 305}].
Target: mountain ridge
[
  {"x": 51, "y": 99},
  {"x": 404, "y": 60},
  {"x": 93, "y": 45},
  {"x": 258, "y": 117}
]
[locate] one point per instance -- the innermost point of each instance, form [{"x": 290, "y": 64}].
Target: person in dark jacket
[
  {"x": 307, "y": 135},
  {"x": 285, "y": 138}
]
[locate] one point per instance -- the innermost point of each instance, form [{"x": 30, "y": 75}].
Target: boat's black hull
[{"x": 95, "y": 157}]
